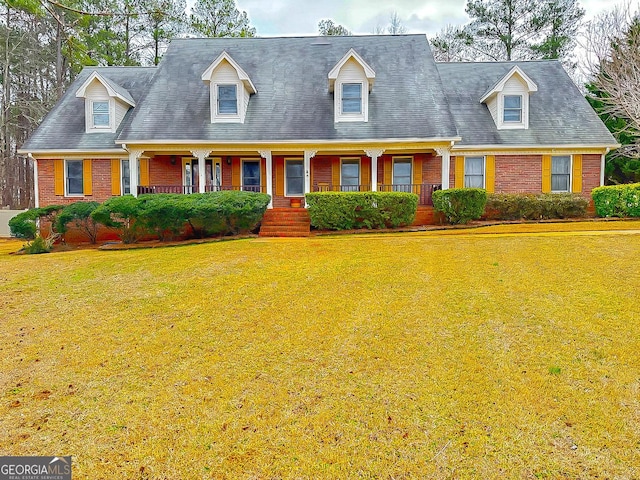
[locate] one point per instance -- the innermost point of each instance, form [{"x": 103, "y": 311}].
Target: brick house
[{"x": 289, "y": 116}]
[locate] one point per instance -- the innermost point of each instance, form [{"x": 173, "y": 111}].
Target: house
[{"x": 289, "y": 116}]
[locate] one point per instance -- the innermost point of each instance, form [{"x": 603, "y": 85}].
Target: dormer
[
  {"x": 230, "y": 88},
  {"x": 508, "y": 100},
  {"x": 351, "y": 81},
  {"x": 105, "y": 103}
]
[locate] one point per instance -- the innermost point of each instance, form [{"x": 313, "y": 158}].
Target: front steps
[{"x": 285, "y": 222}]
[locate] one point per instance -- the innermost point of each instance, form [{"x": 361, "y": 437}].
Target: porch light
[
  {"x": 228, "y": 159},
  {"x": 172, "y": 159}
]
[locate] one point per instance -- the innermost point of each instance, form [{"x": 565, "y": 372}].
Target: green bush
[
  {"x": 617, "y": 200},
  {"x": 37, "y": 245},
  {"x": 164, "y": 214},
  {"x": 353, "y": 210},
  {"x": 121, "y": 213},
  {"x": 79, "y": 215},
  {"x": 515, "y": 206},
  {"x": 25, "y": 224},
  {"x": 460, "y": 205}
]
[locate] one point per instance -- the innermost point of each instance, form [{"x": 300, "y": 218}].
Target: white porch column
[
  {"x": 445, "y": 153},
  {"x": 266, "y": 154},
  {"x": 308, "y": 155},
  {"x": 374, "y": 154},
  {"x": 201, "y": 154},
  {"x": 134, "y": 181}
]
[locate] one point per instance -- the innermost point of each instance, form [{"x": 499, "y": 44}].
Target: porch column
[
  {"x": 374, "y": 154},
  {"x": 201, "y": 154},
  {"x": 308, "y": 155},
  {"x": 266, "y": 154},
  {"x": 445, "y": 153},
  {"x": 134, "y": 181}
]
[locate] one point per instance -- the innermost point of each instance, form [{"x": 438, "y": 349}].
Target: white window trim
[
  {"x": 89, "y": 126},
  {"x": 242, "y": 160},
  {"x": 484, "y": 170},
  {"x": 570, "y": 175},
  {"x": 524, "y": 123},
  {"x": 286, "y": 177},
  {"x": 351, "y": 159},
  {"x": 66, "y": 183},
  {"x": 363, "y": 116},
  {"x": 393, "y": 161},
  {"x": 217, "y": 117}
]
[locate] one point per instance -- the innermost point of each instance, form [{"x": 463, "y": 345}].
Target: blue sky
[{"x": 300, "y": 17}]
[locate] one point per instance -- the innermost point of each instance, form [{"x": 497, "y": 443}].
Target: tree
[
  {"x": 165, "y": 20},
  {"x": 328, "y": 28},
  {"x": 220, "y": 18},
  {"x": 395, "y": 25},
  {"x": 562, "y": 20}
]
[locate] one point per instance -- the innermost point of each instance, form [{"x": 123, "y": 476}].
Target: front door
[
  {"x": 191, "y": 175},
  {"x": 251, "y": 175}
]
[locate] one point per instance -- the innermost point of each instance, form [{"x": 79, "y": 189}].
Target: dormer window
[
  {"x": 230, "y": 89},
  {"x": 352, "y": 98},
  {"x": 100, "y": 114},
  {"x": 227, "y": 99},
  {"x": 512, "y": 111},
  {"x": 351, "y": 81}
]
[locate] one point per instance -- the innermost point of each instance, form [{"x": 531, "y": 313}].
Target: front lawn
[{"x": 391, "y": 356}]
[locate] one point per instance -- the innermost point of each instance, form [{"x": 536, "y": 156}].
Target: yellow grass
[{"x": 394, "y": 356}]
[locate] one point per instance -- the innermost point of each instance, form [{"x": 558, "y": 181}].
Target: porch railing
[
  {"x": 423, "y": 190},
  {"x": 186, "y": 189}
]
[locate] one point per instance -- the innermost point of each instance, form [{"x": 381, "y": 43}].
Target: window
[
  {"x": 74, "y": 177},
  {"x": 560, "y": 173},
  {"x": 350, "y": 175},
  {"x": 294, "y": 177},
  {"x": 474, "y": 172},
  {"x": 126, "y": 177},
  {"x": 402, "y": 174},
  {"x": 512, "y": 111},
  {"x": 251, "y": 175},
  {"x": 352, "y": 98},
  {"x": 227, "y": 100},
  {"x": 100, "y": 114}
]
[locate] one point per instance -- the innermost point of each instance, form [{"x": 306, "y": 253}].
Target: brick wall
[
  {"x": 161, "y": 172},
  {"x": 590, "y": 173},
  {"x": 101, "y": 179},
  {"x": 518, "y": 174}
]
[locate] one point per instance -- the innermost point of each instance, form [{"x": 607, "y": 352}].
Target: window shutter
[
  {"x": 144, "y": 172},
  {"x": 115, "y": 176},
  {"x": 459, "y": 172},
  {"x": 235, "y": 173},
  {"x": 490, "y": 173},
  {"x": 577, "y": 174},
  {"x": 87, "y": 180},
  {"x": 335, "y": 174},
  {"x": 365, "y": 175},
  {"x": 387, "y": 172},
  {"x": 58, "y": 177},
  {"x": 417, "y": 175},
  {"x": 546, "y": 173},
  {"x": 263, "y": 176},
  {"x": 280, "y": 177}
]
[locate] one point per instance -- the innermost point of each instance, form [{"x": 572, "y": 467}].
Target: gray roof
[
  {"x": 293, "y": 101},
  {"x": 64, "y": 127},
  {"x": 558, "y": 113},
  {"x": 123, "y": 92}
]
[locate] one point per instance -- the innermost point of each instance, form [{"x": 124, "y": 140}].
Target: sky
[{"x": 300, "y": 17}]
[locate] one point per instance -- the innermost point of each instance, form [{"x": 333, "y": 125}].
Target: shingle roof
[
  {"x": 293, "y": 100},
  {"x": 559, "y": 113},
  {"x": 64, "y": 127},
  {"x": 120, "y": 90}
]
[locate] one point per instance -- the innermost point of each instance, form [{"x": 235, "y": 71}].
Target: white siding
[
  {"x": 514, "y": 87},
  {"x": 96, "y": 91},
  {"x": 121, "y": 109},
  {"x": 492, "y": 104},
  {"x": 226, "y": 74},
  {"x": 351, "y": 72}
]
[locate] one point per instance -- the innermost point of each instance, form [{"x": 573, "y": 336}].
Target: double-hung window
[
  {"x": 294, "y": 176},
  {"x": 474, "y": 172},
  {"x": 100, "y": 114},
  {"x": 74, "y": 178},
  {"x": 125, "y": 177},
  {"x": 352, "y": 98},
  {"x": 512, "y": 111},
  {"x": 350, "y": 175},
  {"x": 561, "y": 173},
  {"x": 227, "y": 99}
]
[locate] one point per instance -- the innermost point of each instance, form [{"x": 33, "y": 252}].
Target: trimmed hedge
[
  {"x": 121, "y": 213},
  {"x": 79, "y": 215},
  {"x": 460, "y": 205},
  {"x": 515, "y": 206},
  {"x": 354, "y": 210},
  {"x": 617, "y": 200},
  {"x": 24, "y": 225}
]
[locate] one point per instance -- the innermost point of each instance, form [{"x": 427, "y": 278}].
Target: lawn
[{"x": 419, "y": 355}]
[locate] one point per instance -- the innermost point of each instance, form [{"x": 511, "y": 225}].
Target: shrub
[
  {"x": 122, "y": 213},
  {"x": 25, "y": 224},
  {"x": 37, "y": 245},
  {"x": 460, "y": 205},
  {"x": 79, "y": 214},
  {"x": 351, "y": 210},
  {"x": 617, "y": 200},
  {"x": 515, "y": 206},
  {"x": 164, "y": 214}
]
